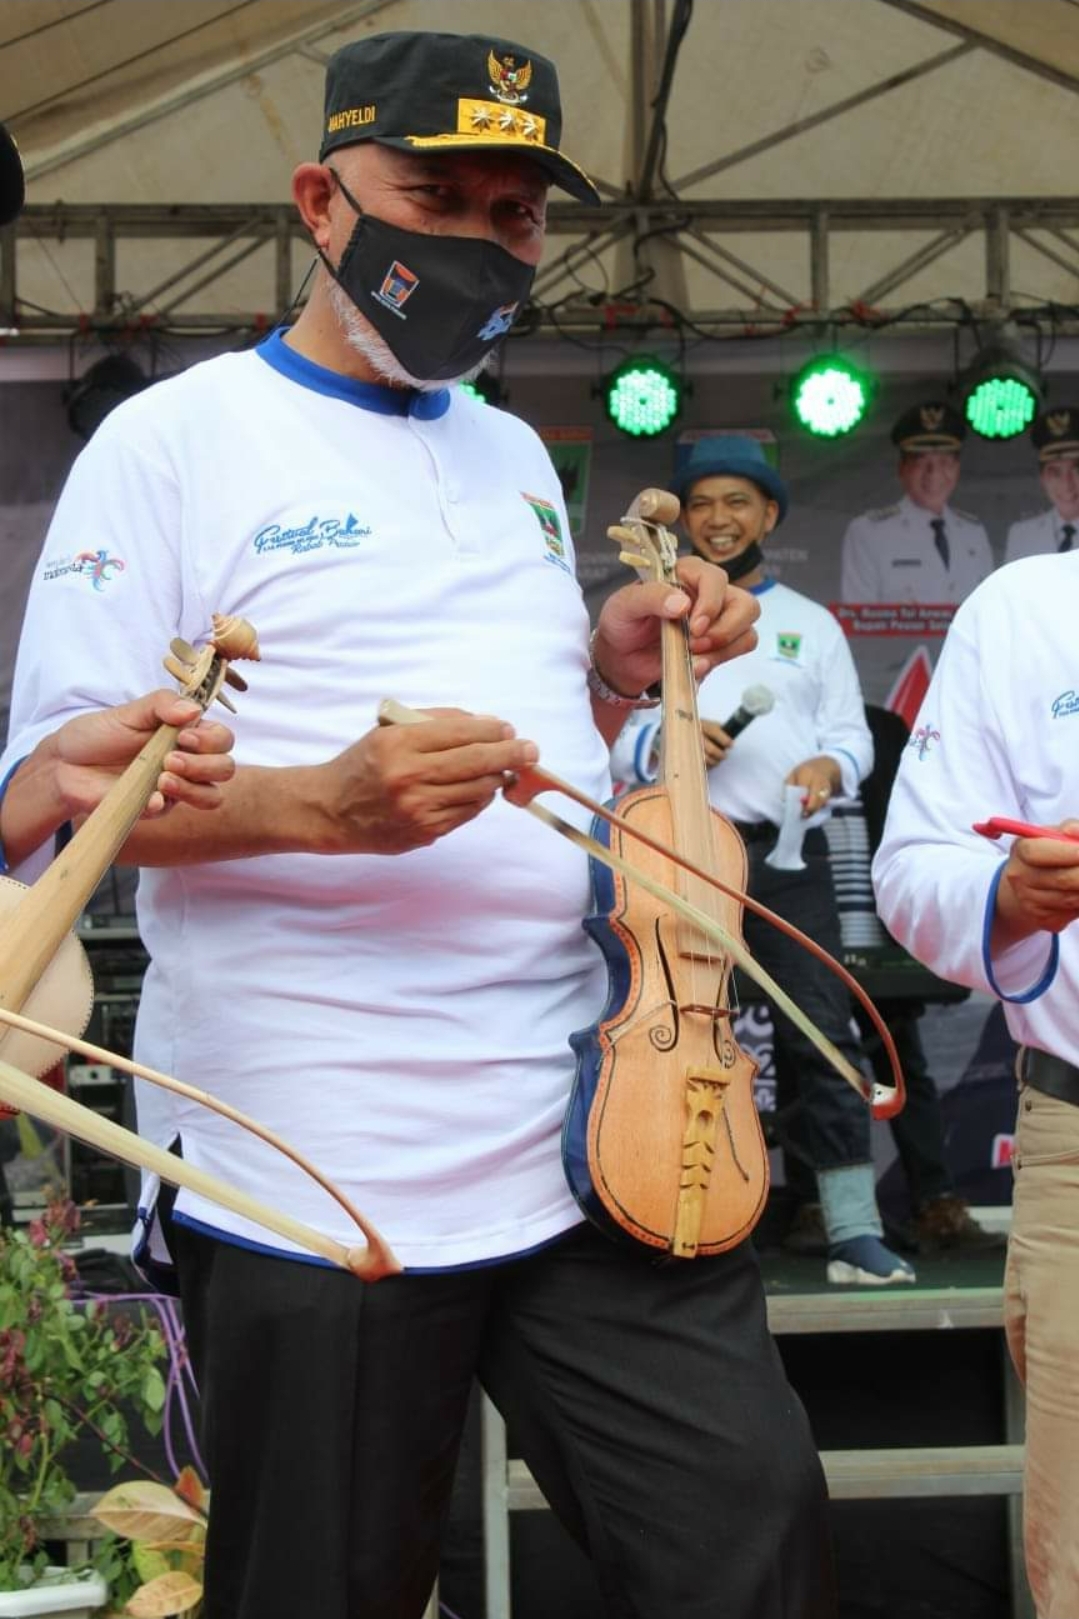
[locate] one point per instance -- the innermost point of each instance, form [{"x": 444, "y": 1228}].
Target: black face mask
[
  {"x": 439, "y": 303},
  {"x": 743, "y": 563}
]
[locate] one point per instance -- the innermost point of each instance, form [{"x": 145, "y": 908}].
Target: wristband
[{"x": 607, "y": 694}]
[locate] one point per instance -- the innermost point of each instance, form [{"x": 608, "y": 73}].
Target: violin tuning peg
[
  {"x": 235, "y": 637},
  {"x": 227, "y": 702},
  {"x": 633, "y": 559},
  {"x": 179, "y": 671},
  {"x": 183, "y": 650},
  {"x": 237, "y": 682}
]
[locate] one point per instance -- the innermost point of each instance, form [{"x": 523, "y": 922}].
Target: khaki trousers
[{"x": 1041, "y": 1317}]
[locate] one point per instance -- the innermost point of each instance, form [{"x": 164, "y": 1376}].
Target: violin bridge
[{"x": 705, "y": 1095}]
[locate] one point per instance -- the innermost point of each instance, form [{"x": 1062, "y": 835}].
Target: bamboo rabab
[{"x": 43, "y": 968}]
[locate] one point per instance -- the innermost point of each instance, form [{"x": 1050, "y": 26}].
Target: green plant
[
  {"x": 68, "y": 1369},
  {"x": 166, "y": 1529}
]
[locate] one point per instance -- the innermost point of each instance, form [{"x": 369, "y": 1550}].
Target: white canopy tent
[{"x": 761, "y": 162}]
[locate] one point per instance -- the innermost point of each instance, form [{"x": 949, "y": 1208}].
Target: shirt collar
[{"x": 374, "y": 396}]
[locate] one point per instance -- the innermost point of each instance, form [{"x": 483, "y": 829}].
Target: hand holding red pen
[{"x": 1039, "y": 888}]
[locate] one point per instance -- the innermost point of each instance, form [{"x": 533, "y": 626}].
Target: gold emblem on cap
[
  {"x": 1058, "y": 422},
  {"x": 509, "y": 77},
  {"x": 932, "y": 416},
  {"x": 490, "y": 119}
]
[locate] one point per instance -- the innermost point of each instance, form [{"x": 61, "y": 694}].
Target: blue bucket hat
[{"x": 731, "y": 457}]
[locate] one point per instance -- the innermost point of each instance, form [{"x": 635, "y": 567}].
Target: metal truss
[
  {"x": 704, "y": 231},
  {"x": 642, "y": 235}
]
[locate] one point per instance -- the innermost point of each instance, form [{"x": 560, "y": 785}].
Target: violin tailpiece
[{"x": 706, "y": 1091}]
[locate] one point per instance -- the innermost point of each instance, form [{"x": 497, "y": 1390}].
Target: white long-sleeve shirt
[
  {"x": 803, "y": 658},
  {"x": 997, "y": 735}
]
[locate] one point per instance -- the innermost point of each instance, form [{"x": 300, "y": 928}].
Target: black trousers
[
  {"x": 647, "y": 1397},
  {"x": 918, "y": 1132},
  {"x": 830, "y": 1128}
]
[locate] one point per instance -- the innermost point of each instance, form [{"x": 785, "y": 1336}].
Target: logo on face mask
[
  {"x": 398, "y": 285},
  {"x": 498, "y": 323}
]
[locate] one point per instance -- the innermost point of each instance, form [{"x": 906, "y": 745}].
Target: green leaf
[
  {"x": 149, "y": 1564},
  {"x": 153, "y": 1389}
]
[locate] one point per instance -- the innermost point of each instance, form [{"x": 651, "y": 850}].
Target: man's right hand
[
  {"x": 1038, "y": 890},
  {"x": 717, "y": 744},
  {"x": 402, "y": 787}
]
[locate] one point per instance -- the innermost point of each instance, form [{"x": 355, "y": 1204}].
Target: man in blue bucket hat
[{"x": 808, "y": 745}]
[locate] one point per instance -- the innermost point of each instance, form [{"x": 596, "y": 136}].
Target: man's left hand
[
  {"x": 820, "y": 781},
  {"x": 721, "y": 618}
]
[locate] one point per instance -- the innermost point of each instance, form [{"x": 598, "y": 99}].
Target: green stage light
[
  {"x": 485, "y": 388},
  {"x": 1001, "y": 407},
  {"x": 829, "y": 396},
  {"x": 642, "y": 397},
  {"x": 1002, "y": 394}
]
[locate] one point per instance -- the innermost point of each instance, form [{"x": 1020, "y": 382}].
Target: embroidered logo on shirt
[
  {"x": 551, "y": 529},
  {"x": 97, "y": 566},
  {"x": 1067, "y": 703},
  {"x": 923, "y": 740},
  {"x": 788, "y": 645},
  {"x": 313, "y": 535}
]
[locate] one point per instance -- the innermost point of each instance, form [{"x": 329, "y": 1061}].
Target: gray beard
[{"x": 361, "y": 336}]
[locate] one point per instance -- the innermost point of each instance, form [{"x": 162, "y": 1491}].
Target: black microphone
[{"x": 756, "y": 700}]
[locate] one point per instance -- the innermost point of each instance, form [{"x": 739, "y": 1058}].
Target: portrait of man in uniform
[
  {"x": 922, "y": 549},
  {"x": 1055, "y": 436}
]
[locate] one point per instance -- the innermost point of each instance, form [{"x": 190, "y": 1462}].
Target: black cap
[
  {"x": 933, "y": 426},
  {"x": 438, "y": 93},
  {"x": 12, "y": 186},
  {"x": 1055, "y": 434}
]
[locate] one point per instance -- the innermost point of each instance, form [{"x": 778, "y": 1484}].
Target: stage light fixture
[
  {"x": 830, "y": 396},
  {"x": 1002, "y": 393},
  {"x": 106, "y": 384},
  {"x": 642, "y": 397},
  {"x": 485, "y": 388}
]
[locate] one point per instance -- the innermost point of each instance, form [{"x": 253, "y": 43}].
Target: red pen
[{"x": 999, "y": 826}]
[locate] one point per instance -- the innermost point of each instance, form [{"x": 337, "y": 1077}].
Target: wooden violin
[{"x": 662, "y": 1139}]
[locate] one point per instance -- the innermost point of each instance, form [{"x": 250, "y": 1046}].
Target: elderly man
[
  {"x": 813, "y": 742},
  {"x": 1055, "y": 436},
  {"x": 923, "y": 549},
  {"x": 368, "y": 949}
]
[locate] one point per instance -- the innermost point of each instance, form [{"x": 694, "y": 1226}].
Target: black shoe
[
  {"x": 945, "y": 1224},
  {"x": 806, "y": 1234}
]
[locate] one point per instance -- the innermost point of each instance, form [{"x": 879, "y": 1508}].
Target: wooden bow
[
  {"x": 42, "y": 963},
  {"x": 884, "y": 1101}
]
